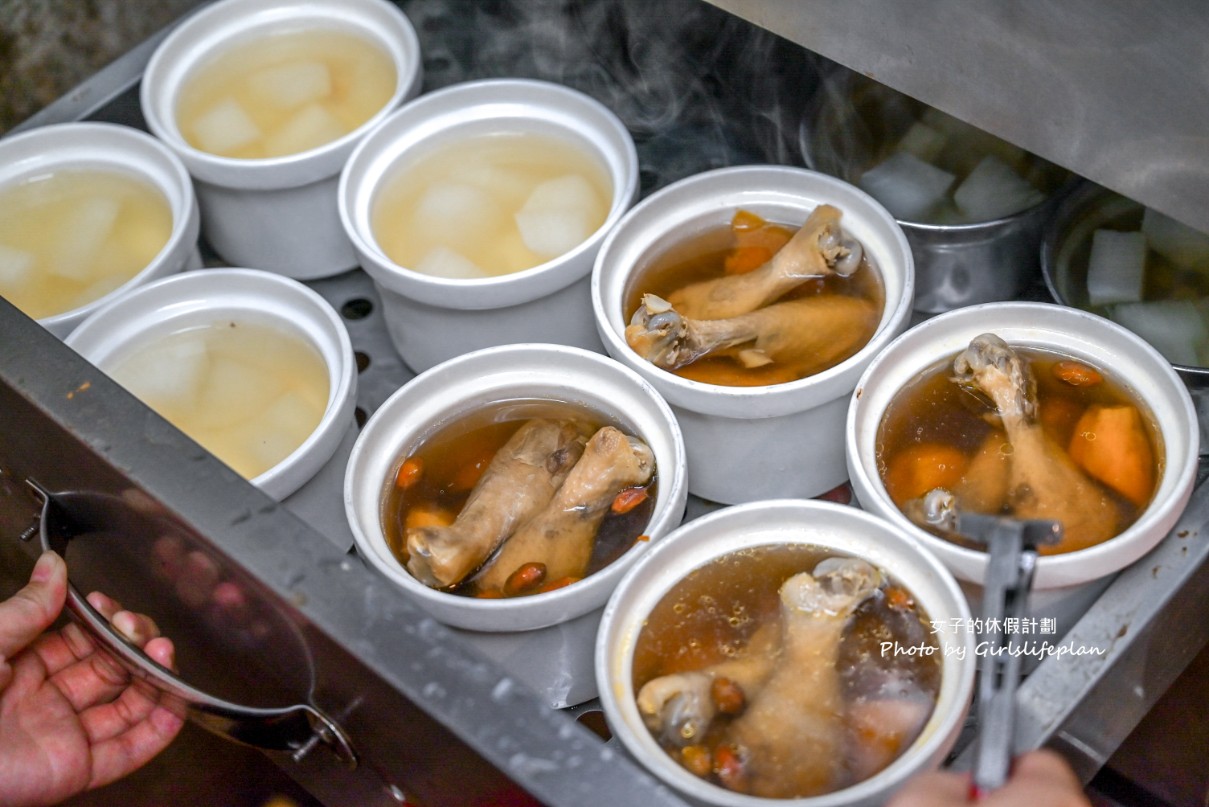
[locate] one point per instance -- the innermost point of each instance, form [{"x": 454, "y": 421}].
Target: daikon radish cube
[
  {"x": 967, "y": 145},
  {"x": 290, "y": 85},
  {"x": 444, "y": 262},
  {"x": 171, "y": 373},
  {"x": 510, "y": 188},
  {"x": 449, "y": 211},
  {"x": 1176, "y": 241},
  {"x": 81, "y": 236},
  {"x": 923, "y": 141},
  {"x": 1116, "y": 268},
  {"x": 909, "y": 187},
  {"x": 558, "y": 215},
  {"x": 225, "y": 128},
  {"x": 1176, "y": 328},
  {"x": 993, "y": 190},
  {"x": 233, "y": 388},
  {"x": 306, "y": 129},
  {"x": 16, "y": 266},
  {"x": 282, "y": 427}
]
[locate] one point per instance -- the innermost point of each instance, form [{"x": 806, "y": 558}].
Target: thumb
[{"x": 34, "y": 608}]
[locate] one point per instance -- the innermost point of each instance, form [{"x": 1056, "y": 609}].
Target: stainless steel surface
[
  {"x": 429, "y": 714},
  {"x": 1110, "y": 89}
]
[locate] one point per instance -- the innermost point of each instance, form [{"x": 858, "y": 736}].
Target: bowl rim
[{"x": 1054, "y": 327}]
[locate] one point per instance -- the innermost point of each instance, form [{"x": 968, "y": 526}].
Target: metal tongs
[{"x": 1012, "y": 548}]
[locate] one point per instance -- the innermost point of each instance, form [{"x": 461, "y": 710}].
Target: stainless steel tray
[{"x": 708, "y": 103}]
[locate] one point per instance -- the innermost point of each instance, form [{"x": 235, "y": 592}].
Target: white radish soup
[
  {"x": 249, "y": 393},
  {"x": 284, "y": 94},
  {"x": 71, "y": 236},
  {"x": 488, "y": 205}
]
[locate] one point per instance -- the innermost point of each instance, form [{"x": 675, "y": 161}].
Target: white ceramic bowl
[
  {"x": 844, "y": 529},
  {"x": 122, "y": 149},
  {"x": 278, "y": 213},
  {"x": 1094, "y": 339},
  {"x": 197, "y": 299},
  {"x": 463, "y": 385},
  {"x": 750, "y": 443},
  {"x": 431, "y": 319}
]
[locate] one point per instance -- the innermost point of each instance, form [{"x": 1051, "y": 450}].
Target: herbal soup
[
  {"x": 756, "y": 302},
  {"x": 284, "y": 93},
  {"x": 1021, "y": 432},
  {"x": 248, "y": 393},
  {"x": 69, "y": 237},
  {"x": 491, "y": 205},
  {"x": 519, "y": 498},
  {"x": 767, "y": 671}
]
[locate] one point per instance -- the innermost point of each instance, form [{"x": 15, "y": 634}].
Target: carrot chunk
[
  {"x": 923, "y": 467},
  {"x": 469, "y": 474},
  {"x": 741, "y": 260},
  {"x": 409, "y": 473},
  {"x": 427, "y": 516},
  {"x": 1077, "y": 374},
  {"x": 1110, "y": 443}
]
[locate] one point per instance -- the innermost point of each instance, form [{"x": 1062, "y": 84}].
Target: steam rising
[{"x": 697, "y": 87}]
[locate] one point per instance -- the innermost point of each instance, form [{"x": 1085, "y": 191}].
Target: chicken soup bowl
[
  {"x": 543, "y": 170},
  {"x": 753, "y": 442},
  {"x": 1065, "y": 582},
  {"x": 545, "y": 637},
  {"x": 641, "y": 603}
]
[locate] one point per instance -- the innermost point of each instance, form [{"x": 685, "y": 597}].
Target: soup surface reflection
[{"x": 763, "y": 671}]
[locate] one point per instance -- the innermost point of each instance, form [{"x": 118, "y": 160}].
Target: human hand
[
  {"x": 1039, "y": 779},
  {"x": 71, "y": 718}
]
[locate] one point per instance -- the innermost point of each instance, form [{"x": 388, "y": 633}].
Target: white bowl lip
[
  {"x": 108, "y": 146},
  {"x": 255, "y": 295},
  {"x": 235, "y": 21},
  {"x": 509, "y": 361},
  {"x": 703, "y": 545},
  {"x": 777, "y": 399},
  {"x": 1061, "y": 328},
  {"x": 416, "y": 124}
]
